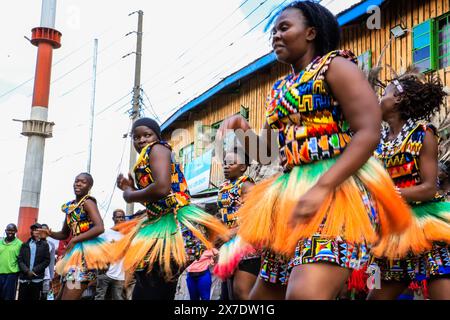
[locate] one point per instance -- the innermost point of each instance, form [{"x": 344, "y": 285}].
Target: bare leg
[
  {"x": 263, "y": 290},
  {"x": 243, "y": 283},
  {"x": 74, "y": 293},
  {"x": 316, "y": 281},
  {"x": 390, "y": 290},
  {"x": 439, "y": 289}
]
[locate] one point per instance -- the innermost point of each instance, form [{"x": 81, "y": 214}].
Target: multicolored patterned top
[
  {"x": 309, "y": 121},
  {"x": 77, "y": 219},
  {"x": 229, "y": 199},
  {"x": 401, "y": 155},
  {"x": 179, "y": 196}
]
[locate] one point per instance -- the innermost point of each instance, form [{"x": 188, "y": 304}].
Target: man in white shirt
[{"x": 113, "y": 279}]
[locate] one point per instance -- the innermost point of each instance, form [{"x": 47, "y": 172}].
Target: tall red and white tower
[{"x": 37, "y": 129}]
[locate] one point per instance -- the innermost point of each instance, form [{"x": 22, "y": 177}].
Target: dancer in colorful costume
[
  {"x": 334, "y": 201},
  {"x": 409, "y": 151},
  {"x": 245, "y": 269},
  {"x": 86, "y": 252},
  {"x": 158, "y": 245}
]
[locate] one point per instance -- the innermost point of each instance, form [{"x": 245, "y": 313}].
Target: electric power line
[
  {"x": 115, "y": 25},
  {"x": 151, "y": 106},
  {"x": 201, "y": 63},
  {"x": 219, "y": 37},
  {"x": 118, "y": 170},
  {"x": 112, "y": 104}
]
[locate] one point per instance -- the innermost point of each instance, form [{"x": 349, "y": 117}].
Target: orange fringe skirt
[{"x": 267, "y": 208}]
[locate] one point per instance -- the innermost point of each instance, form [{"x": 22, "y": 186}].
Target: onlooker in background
[
  {"x": 113, "y": 279},
  {"x": 199, "y": 276},
  {"x": 50, "y": 270},
  {"x": 33, "y": 258},
  {"x": 9, "y": 269}
]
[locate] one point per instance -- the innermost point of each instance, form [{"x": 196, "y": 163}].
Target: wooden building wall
[
  {"x": 396, "y": 53},
  {"x": 356, "y": 37}
]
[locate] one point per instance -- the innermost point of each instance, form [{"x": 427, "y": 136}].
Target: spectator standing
[
  {"x": 34, "y": 257},
  {"x": 199, "y": 276},
  {"x": 113, "y": 279},
  {"x": 9, "y": 269}
]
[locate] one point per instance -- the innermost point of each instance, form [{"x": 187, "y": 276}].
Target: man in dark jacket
[{"x": 33, "y": 258}]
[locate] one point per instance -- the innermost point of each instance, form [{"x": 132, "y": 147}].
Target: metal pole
[
  {"x": 37, "y": 128},
  {"x": 91, "y": 126},
  {"x": 136, "y": 95},
  {"x": 48, "y": 13}
]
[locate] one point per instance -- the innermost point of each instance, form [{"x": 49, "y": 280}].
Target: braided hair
[
  {"x": 320, "y": 18},
  {"x": 421, "y": 98}
]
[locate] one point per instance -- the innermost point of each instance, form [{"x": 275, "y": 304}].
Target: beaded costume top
[
  {"x": 401, "y": 155},
  {"x": 229, "y": 199},
  {"x": 308, "y": 119},
  {"x": 77, "y": 219},
  {"x": 179, "y": 195}
]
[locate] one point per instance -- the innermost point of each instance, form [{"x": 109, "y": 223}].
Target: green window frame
[
  {"x": 365, "y": 61},
  {"x": 443, "y": 45},
  {"x": 216, "y": 125},
  {"x": 424, "y": 45},
  {"x": 186, "y": 154},
  {"x": 244, "y": 111}
]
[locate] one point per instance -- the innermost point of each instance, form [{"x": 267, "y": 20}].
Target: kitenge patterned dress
[
  {"x": 312, "y": 134},
  {"x": 431, "y": 223},
  {"x": 172, "y": 233},
  {"x": 81, "y": 263},
  {"x": 229, "y": 201}
]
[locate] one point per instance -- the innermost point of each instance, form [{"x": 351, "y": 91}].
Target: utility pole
[
  {"x": 136, "y": 93},
  {"x": 37, "y": 129},
  {"x": 91, "y": 125}
]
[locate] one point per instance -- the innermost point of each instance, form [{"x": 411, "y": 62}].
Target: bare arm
[
  {"x": 159, "y": 159},
  {"x": 246, "y": 188},
  {"x": 360, "y": 107},
  {"x": 253, "y": 144},
  {"x": 428, "y": 172},
  {"x": 58, "y": 235}
]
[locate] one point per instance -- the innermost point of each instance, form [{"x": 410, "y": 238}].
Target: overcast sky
[{"x": 188, "y": 46}]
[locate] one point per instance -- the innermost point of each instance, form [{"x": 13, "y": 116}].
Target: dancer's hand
[
  {"x": 308, "y": 205},
  {"x": 31, "y": 274},
  {"x": 231, "y": 124},
  {"x": 124, "y": 183},
  {"x": 44, "y": 233}
]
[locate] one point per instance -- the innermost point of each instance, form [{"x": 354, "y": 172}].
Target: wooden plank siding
[{"x": 355, "y": 36}]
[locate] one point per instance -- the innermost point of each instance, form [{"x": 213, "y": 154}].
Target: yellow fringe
[{"x": 269, "y": 205}]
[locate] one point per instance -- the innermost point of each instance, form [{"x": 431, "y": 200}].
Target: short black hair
[
  {"x": 35, "y": 226},
  {"x": 11, "y": 224},
  {"x": 44, "y": 225},
  {"x": 89, "y": 177},
  {"x": 420, "y": 99},
  {"x": 317, "y": 16}
]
